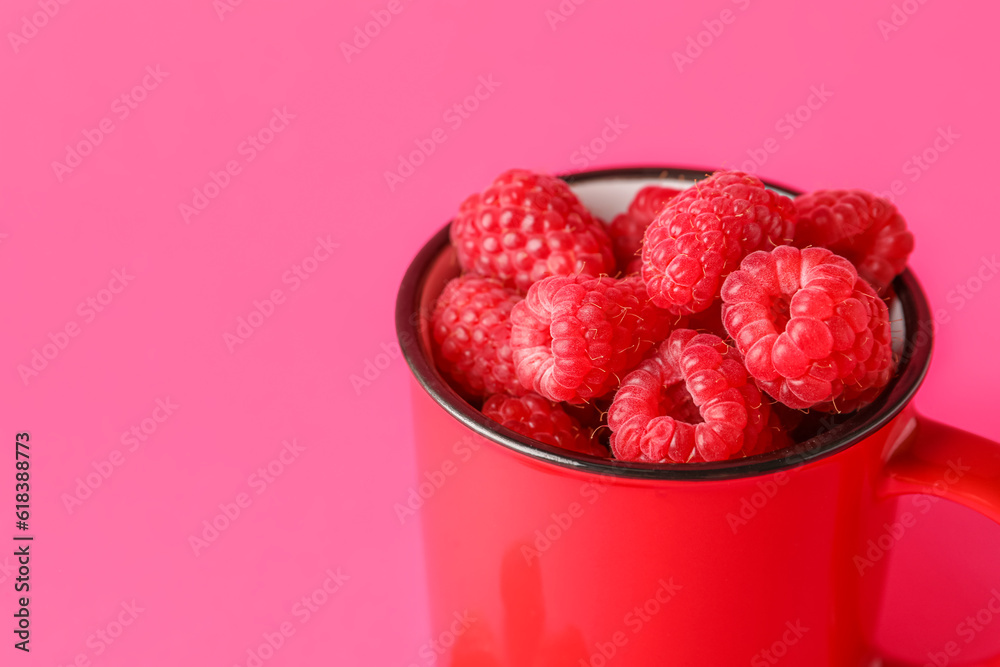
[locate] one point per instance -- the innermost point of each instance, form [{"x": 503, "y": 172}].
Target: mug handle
[{"x": 943, "y": 461}]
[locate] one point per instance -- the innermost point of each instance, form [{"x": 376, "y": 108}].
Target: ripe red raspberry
[
  {"x": 545, "y": 421},
  {"x": 705, "y": 231},
  {"x": 690, "y": 401},
  {"x": 589, "y": 415},
  {"x": 527, "y": 226},
  {"x": 864, "y": 228},
  {"x": 812, "y": 333},
  {"x": 627, "y": 229},
  {"x": 775, "y": 434},
  {"x": 471, "y": 330},
  {"x": 866, "y": 381},
  {"x": 573, "y": 337},
  {"x": 707, "y": 321}
]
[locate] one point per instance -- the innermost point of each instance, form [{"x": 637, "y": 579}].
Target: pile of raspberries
[{"x": 696, "y": 326}]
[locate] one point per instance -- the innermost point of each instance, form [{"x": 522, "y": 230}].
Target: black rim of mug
[{"x": 910, "y": 373}]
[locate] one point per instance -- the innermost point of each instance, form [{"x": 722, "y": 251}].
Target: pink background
[{"x": 554, "y": 86}]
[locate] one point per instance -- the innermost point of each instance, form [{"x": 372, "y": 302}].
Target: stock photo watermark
[
  {"x": 898, "y": 17},
  {"x": 33, "y": 22},
  {"x": 562, "y": 12},
  {"x": 960, "y": 295},
  {"x": 753, "y": 504},
  {"x": 231, "y": 510},
  {"x": 264, "y": 309},
  {"x": 773, "y": 654},
  {"x": 967, "y": 630},
  {"x": 703, "y": 39},
  {"x": 438, "y": 646},
  {"x": 562, "y": 522},
  {"x": 965, "y": 292},
  {"x": 635, "y": 620},
  {"x": 588, "y": 153},
  {"x": 122, "y": 107},
  {"x": 434, "y": 480},
  {"x": 919, "y": 163},
  {"x": 786, "y": 126},
  {"x": 101, "y": 639},
  {"x": 365, "y": 33},
  {"x": 223, "y": 7},
  {"x": 248, "y": 150},
  {"x": 454, "y": 117},
  {"x": 104, "y": 467},
  {"x": 893, "y": 532},
  {"x": 372, "y": 367},
  {"x": 750, "y": 505},
  {"x": 22, "y": 624},
  {"x": 88, "y": 310},
  {"x": 303, "y": 610}
]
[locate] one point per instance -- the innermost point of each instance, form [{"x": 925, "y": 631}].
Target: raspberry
[
  {"x": 775, "y": 434},
  {"x": 627, "y": 229},
  {"x": 812, "y": 333},
  {"x": 864, "y": 228},
  {"x": 527, "y": 226},
  {"x": 545, "y": 421},
  {"x": 707, "y": 321},
  {"x": 589, "y": 415},
  {"x": 704, "y": 232},
  {"x": 573, "y": 337},
  {"x": 690, "y": 401},
  {"x": 471, "y": 329},
  {"x": 866, "y": 381}
]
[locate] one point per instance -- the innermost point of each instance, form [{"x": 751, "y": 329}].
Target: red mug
[{"x": 541, "y": 557}]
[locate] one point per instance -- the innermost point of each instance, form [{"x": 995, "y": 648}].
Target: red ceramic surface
[{"x": 536, "y": 556}]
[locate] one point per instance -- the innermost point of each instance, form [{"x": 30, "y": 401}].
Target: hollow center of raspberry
[
  {"x": 676, "y": 402},
  {"x": 779, "y": 311}
]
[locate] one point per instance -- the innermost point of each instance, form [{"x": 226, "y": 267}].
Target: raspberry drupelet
[
  {"x": 526, "y": 226},
  {"x": 628, "y": 229},
  {"x": 812, "y": 333},
  {"x": 574, "y": 337},
  {"x": 690, "y": 401},
  {"x": 703, "y": 233},
  {"x": 533, "y": 416},
  {"x": 471, "y": 327},
  {"x": 857, "y": 225}
]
